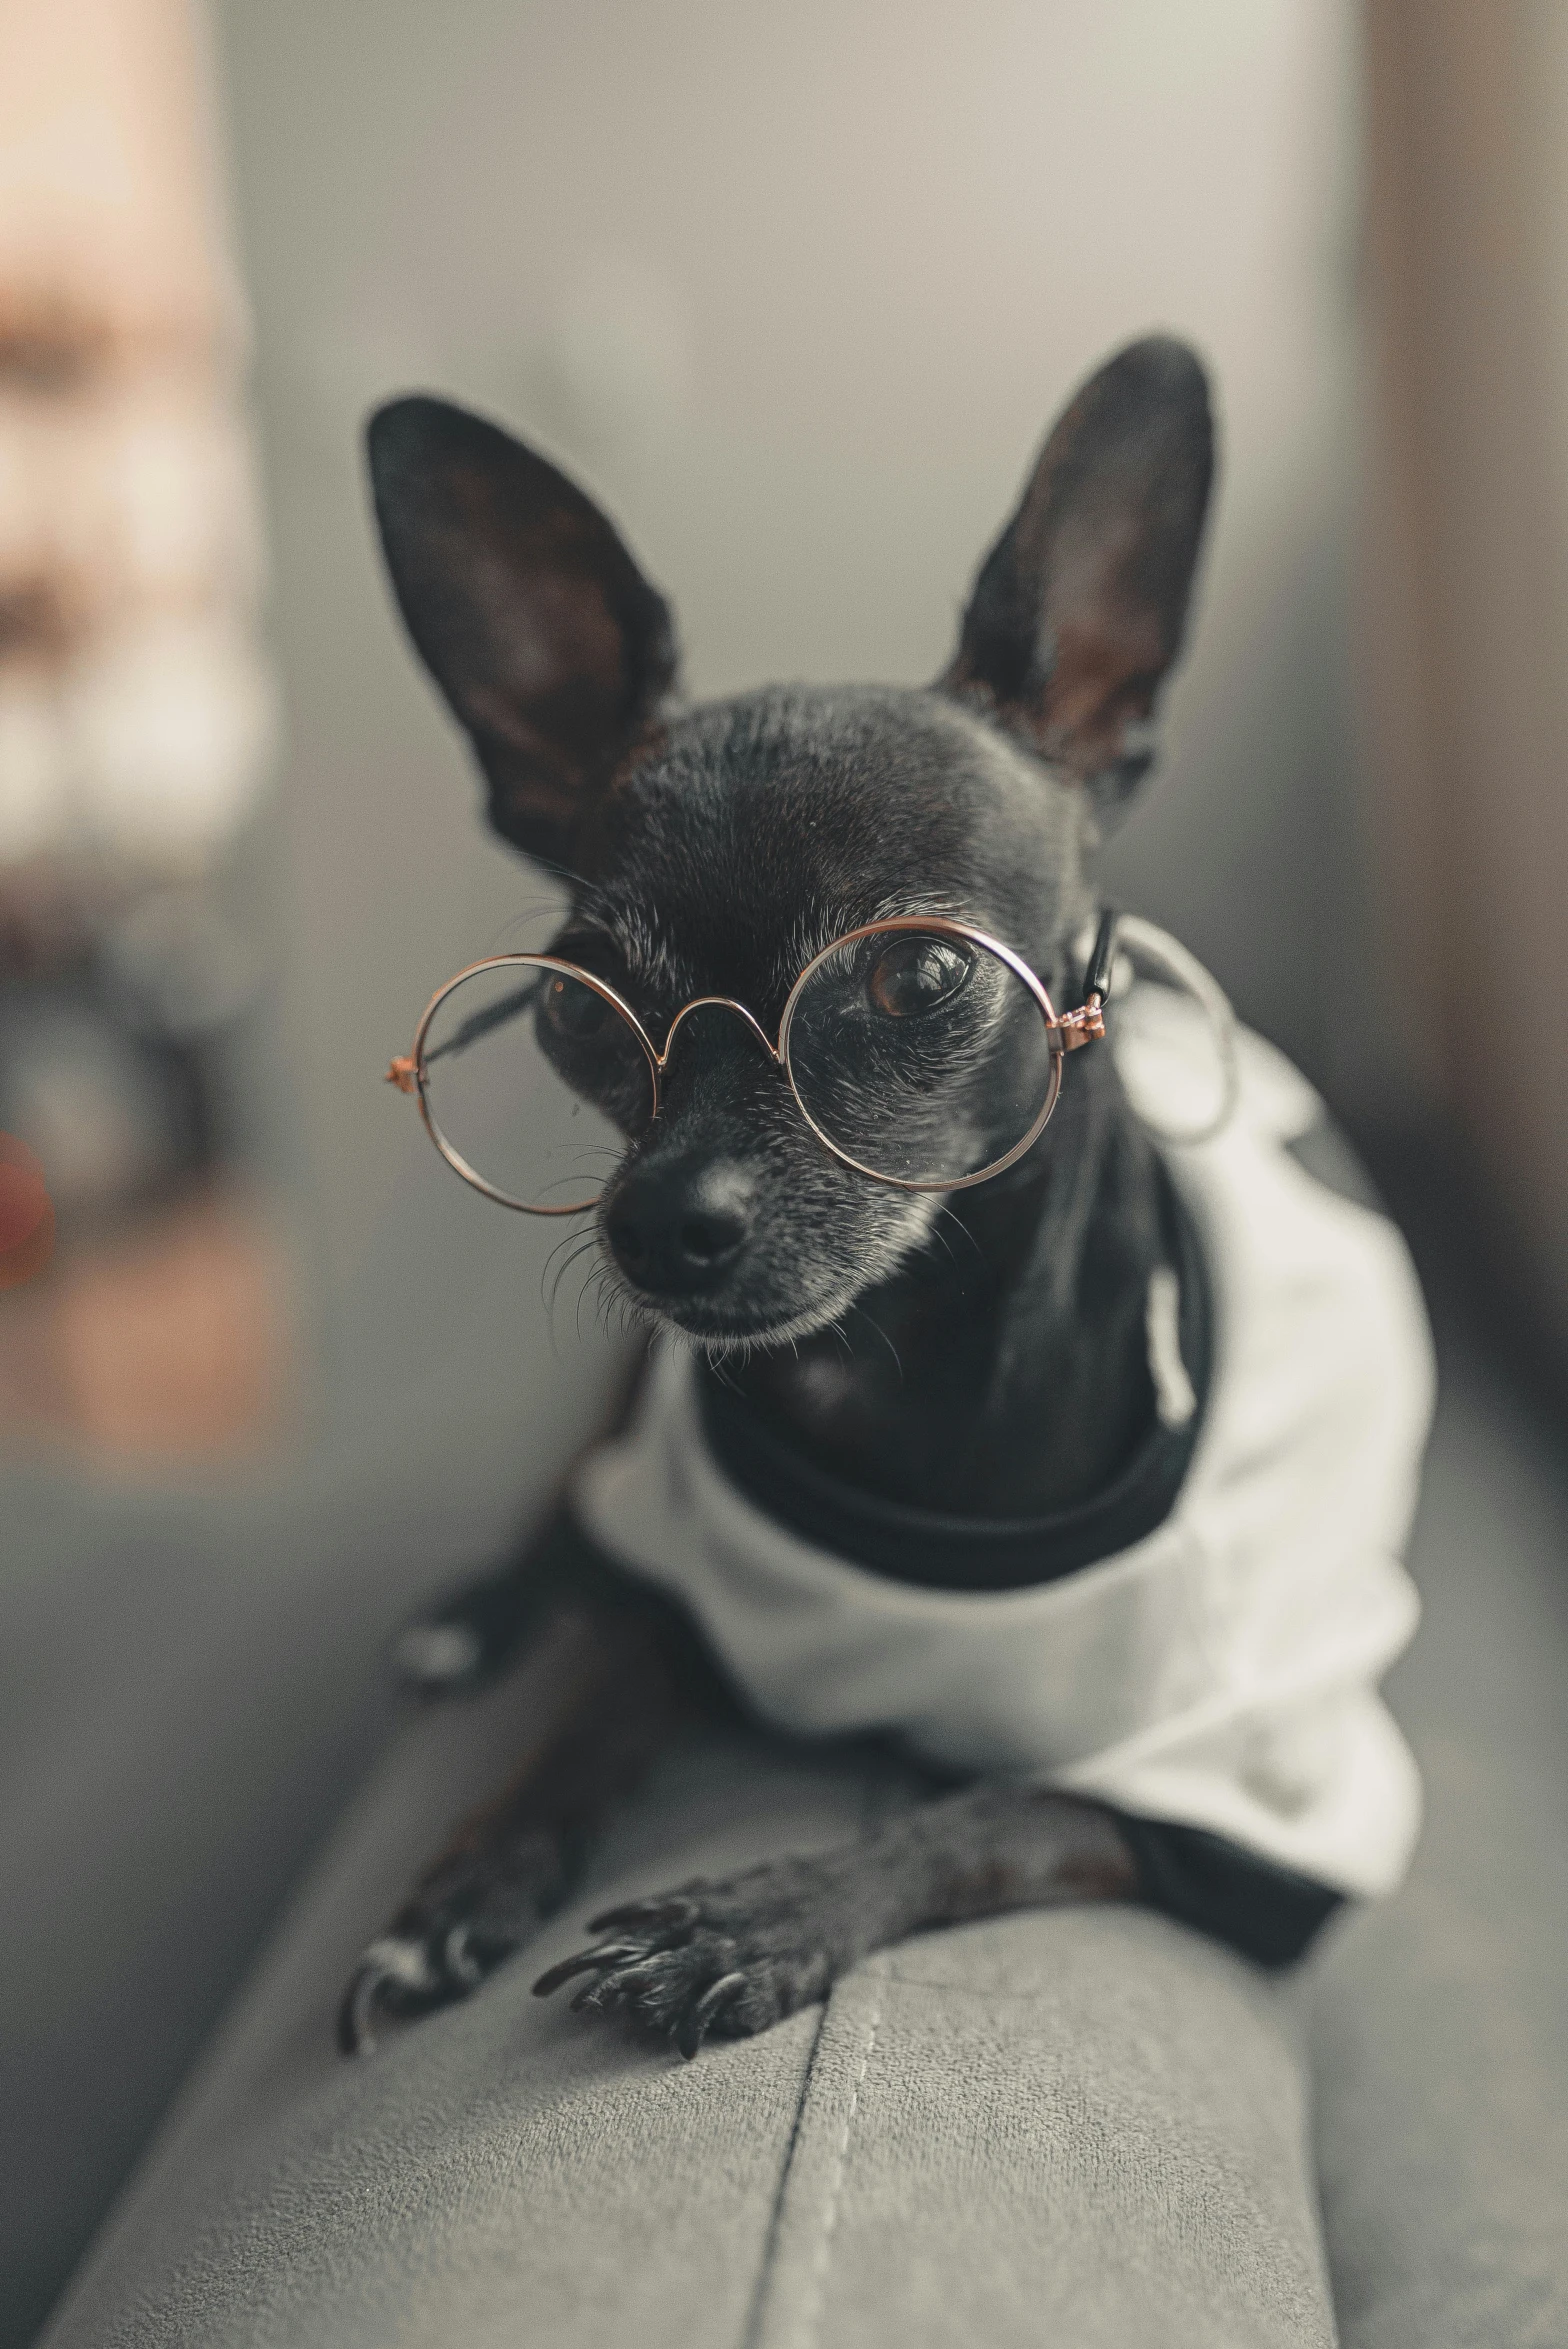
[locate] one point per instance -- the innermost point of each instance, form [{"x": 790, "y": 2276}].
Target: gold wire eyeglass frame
[{"x": 1066, "y": 1031}]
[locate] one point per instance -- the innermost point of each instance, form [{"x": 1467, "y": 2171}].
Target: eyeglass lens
[
  {"x": 922, "y": 1057},
  {"x": 534, "y": 1084}
]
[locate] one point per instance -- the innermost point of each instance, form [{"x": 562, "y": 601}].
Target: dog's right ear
[
  {"x": 549, "y": 644},
  {"x": 1080, "y": 607}
]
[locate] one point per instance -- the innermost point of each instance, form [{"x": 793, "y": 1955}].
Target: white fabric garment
[{"x": 1223, "y": 1671}]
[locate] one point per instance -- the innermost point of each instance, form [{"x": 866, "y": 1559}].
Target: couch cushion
[
  {"x": 1088, "y": 2126},
  {"x": 1440, "y": 2032}
]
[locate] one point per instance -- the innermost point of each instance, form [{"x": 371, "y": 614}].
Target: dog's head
[{"x": 714, "y": 850}]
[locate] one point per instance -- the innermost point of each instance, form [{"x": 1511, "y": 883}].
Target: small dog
[{"x": 949, "y": 1431}]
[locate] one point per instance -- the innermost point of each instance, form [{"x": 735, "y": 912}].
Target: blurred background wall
[
  {"x": 1463, "y": 650},
  {"x": 795, "y": 292}
]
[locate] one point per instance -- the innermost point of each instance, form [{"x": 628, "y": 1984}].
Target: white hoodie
[{"x": 1223, "y": 1671}]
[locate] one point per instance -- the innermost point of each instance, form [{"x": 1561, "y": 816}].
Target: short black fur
[{"x": 983, "y": 1354}]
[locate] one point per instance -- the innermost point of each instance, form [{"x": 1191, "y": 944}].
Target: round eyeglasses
[{"x": 920, "y": 1051}]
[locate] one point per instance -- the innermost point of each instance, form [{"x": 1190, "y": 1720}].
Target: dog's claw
[
  {"x": 603, "y": 1955},
  {"x": 699, "y": 2022},
  {"x": 718, "y": 1959},
  {"x": 388, "y": 1964},
  {"x": 356, "y": 2015},
  {"x": 603, "y": 1991},
  {"x": 461, "y": 1967}
]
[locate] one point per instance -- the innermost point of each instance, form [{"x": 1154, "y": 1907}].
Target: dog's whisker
[
  {"x": 876, "y": 1326},
  {"x": 585, "y": 1246},
  {"x": 537, "y": 910},
  {"x": 569, "y": 1245},
  {"x": 945, "y": 1215}
]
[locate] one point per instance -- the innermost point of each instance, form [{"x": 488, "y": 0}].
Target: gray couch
[{"x": 1085, "y": 2128}]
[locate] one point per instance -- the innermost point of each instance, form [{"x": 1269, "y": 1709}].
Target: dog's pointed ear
[
  {"x": 549, "y": 644},
  {"x": 1079, "y": 609}
]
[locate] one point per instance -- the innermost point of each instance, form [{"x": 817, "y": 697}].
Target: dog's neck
[{"x": 1003, "y": 1371}]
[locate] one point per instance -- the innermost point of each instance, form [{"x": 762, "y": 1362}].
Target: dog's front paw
[
  {"x": 470, "y": 1913},
  {"x": 728, "y": 1959}
]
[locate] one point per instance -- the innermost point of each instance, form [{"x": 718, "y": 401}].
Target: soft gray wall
[{"x": 796, "y": 291}]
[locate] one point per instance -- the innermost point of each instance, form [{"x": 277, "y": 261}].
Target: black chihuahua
[{"x": 975, "y": 1361}]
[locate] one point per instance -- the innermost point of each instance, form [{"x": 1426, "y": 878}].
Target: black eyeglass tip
[{"x": 1102, "y": 957}]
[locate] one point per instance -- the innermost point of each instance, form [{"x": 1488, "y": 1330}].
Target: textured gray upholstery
[
  {"x": 1086, "y": 2127},
  {"x": 1440, "y": 2038},
  {"x": 1080, "y": 2129}
]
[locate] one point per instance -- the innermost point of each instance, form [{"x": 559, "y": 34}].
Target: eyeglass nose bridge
[{"x": 661, "y": 1060}]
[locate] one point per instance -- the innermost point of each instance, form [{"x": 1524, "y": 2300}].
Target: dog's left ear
[
  {"x": 527, "y": 609},
  {"x": 1079, "y": 609}
]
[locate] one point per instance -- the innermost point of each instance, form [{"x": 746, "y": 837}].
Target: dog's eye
[
  {"x": 916, "y": 974},
  {"x": 574, "y": 1011}
]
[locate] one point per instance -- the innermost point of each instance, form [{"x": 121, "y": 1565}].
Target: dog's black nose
[{"x": 676, "y": 1230}]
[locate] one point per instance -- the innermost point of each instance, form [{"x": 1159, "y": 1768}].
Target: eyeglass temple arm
[{"x": 1088, "y": 1021}]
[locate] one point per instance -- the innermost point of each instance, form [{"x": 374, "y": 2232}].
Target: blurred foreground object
[
  {"x": 167, "y": 1340},
  {"x": 134, "y": 707},
  {"x": 135, "y": 728},
  {"x": 26, "y": 1214}
]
